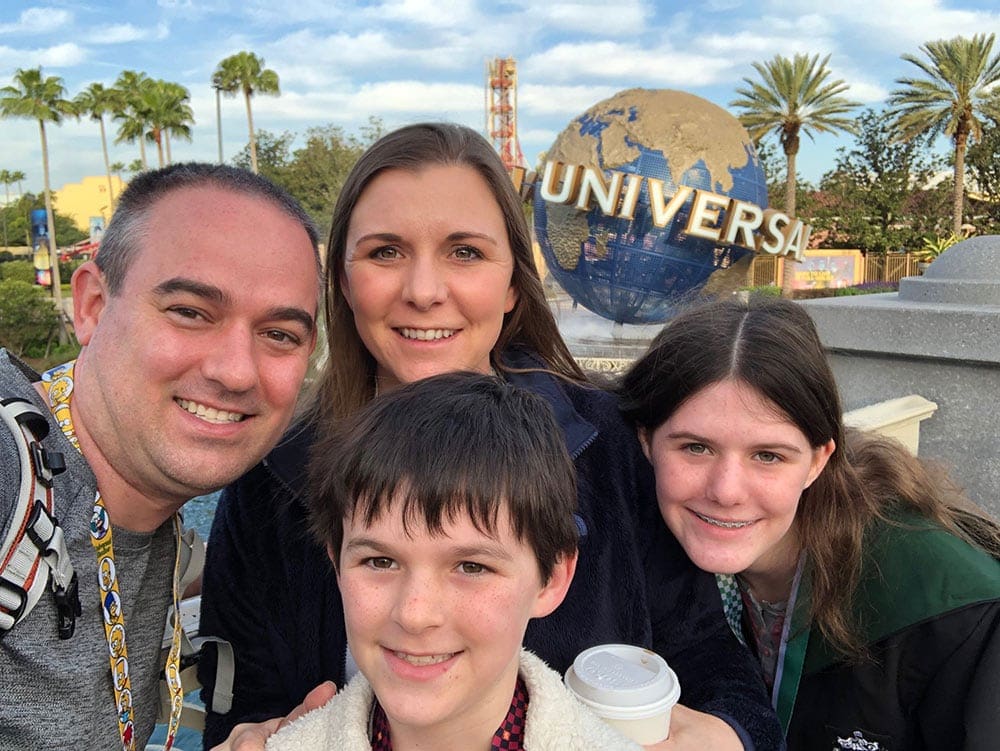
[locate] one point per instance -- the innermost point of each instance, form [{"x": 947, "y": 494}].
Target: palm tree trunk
[
  {"x": 961, "y": 141},
  {"x": 787, "y": 263},
  {"x": 5, "y": 205},
  {"x": 218, "y": 119},
  {"x": 253, "y": 141},
  {"x": 53, "y": 251},
  {"x": 158, "y": 137},
  {"x": 166, "y": 139},
  {"x": 107, "y": 168},
  {"x": 142, "y": 150}
]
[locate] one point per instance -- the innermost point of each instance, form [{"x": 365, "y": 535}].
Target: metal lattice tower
[{"x": 501, "y": 110}]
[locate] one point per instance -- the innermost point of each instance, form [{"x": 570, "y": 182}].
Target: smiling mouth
[
  {"x": 423, "y": 660},
  {"x": 210, "y": 414},
  {"x": 722, "y": 524},
  {"x": 427, "y": 335}
]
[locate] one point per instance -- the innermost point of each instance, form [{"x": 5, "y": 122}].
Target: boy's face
[{"x": 435, "y": 622}]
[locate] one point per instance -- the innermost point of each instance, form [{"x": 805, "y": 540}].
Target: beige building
[{"x": 88, "y": 198}]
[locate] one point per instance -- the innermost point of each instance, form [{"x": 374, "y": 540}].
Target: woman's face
[
  {"x": 730, "y": 468},
  {"x": 427, "y": 272}
]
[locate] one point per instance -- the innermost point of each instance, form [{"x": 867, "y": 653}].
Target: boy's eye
[
  {"x": 470, "y": 567},
  {"x": 696, "y": 448},
  {"x": 380, "y": 562}
]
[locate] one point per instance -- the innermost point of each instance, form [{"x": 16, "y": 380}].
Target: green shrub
[
  {"x": 28, "y": 318},
  {"x": 22, "y": 271},
  {"x": 768, "y": 290},
  {"x": 868, "y": 288}
]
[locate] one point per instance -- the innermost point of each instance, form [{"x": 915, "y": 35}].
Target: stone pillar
[{"x": 938, "y": 337}]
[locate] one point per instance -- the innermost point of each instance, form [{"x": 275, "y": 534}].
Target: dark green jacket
[{"x": 930, "y": 606}]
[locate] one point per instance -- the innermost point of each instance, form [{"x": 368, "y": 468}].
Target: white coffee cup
[{"x": 632, "y": 689}]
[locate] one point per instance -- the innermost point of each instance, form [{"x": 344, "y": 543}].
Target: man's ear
[
  {"x": 553, "y": 592},
  {"x": 90, "y": 296}
]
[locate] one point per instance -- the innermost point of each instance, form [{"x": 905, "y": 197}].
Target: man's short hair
[
  {"x": 128, "y": 226},
  {"x": 441, "y": 447}
]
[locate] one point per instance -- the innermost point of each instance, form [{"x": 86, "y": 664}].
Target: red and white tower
[{"x": 501, "y": 110}]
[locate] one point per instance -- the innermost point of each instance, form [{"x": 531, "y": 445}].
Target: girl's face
[
  {"x": 428, "y": 272},
  {"x": 730, "y": 469}
]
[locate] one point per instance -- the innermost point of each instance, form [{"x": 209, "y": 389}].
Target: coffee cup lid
[{"x": 623, "y": 676}]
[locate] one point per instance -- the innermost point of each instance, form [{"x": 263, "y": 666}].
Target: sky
[{"x": 341, "y": 61}]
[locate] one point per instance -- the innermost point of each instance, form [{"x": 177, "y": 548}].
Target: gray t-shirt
[{"x": 58, "y": 694}]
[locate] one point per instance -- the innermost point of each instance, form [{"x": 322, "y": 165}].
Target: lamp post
[{"x": 218, "y": 117}]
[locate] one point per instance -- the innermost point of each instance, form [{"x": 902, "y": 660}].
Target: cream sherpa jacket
[{"x": 556, "y": 721}]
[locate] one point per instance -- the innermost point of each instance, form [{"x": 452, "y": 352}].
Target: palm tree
[
  {"x": 44, "y": 100},
  {"x": 164, "y": 108},
  {"x": 95, "y": 101},
  {"x": 245, "y": 72},
  {"x": 131, "y": 115},
  {"x": 17, "y": 176},
  {"x": 7, "y": 180},
  {"x": 953, "y": 100},
  {"x": 181, "y": 116},
  {"x": 793, "y": 97},
  {"x": 117, "y": 168}
]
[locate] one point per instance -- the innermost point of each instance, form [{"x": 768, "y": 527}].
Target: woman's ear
[
  {"x": 644, "y": 439},
  {"x": 821, "y": 455},
  {"x": 553, "y": 592}
]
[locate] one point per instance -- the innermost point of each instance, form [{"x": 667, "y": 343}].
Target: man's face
[
  {"x": 435, "y": 620},
  {"x": 189, "y": 374}
]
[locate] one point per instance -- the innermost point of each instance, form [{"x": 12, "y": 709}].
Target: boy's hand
[
  {"x": 251, "y": 736},
  {"x": 697, "y": 731}
]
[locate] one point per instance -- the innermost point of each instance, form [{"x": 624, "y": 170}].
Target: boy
[{"x": 446, "y": 507}]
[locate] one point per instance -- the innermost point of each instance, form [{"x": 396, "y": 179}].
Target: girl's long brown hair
[{"x": 772, "y": 346}]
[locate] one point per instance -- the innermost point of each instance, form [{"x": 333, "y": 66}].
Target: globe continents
[{"x": 627, "y": 268}]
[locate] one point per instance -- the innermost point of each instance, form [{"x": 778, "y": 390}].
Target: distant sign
[
  {"x": 96, "y": 228},
  {"x": 823, "y": 268}
]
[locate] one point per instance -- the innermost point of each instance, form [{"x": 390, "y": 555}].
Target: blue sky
[{"x": 340, "y": 61}]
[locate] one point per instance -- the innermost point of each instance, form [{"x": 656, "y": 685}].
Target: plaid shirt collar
[{"x": 508, "y": 737}]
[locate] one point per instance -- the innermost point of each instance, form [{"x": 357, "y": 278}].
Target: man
[{"x": 196, "y": 321}]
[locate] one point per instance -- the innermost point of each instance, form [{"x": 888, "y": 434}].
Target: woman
[
  {"x": 868, "y": 590},
  {"x": 429, "y": 270}
]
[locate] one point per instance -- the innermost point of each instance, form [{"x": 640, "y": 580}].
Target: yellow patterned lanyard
[{"x": 58, "y": 385}]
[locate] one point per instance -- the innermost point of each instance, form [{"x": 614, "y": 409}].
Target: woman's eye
[
  {"x": 469, "y": 567},
  {"x": 696, "y": 448},
  {"x": 385, "y": 253},
  {"x": 768, "y": 457},
  {"x": 467, "y": 253}
]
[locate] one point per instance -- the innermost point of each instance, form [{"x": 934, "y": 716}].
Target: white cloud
[
  {"x": 63, "y": 55},
  {"x": 428, "y": 13},
  {"x": 38, "y": 21},
  {"x": 565, "y": 101},
  {"x": 593, "y": 18},
  {"x": 126, "y": 32},
  {"x": 603, "y": 61}
]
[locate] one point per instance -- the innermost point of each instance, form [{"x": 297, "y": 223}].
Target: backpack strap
[{"x": 33, "y": 551}]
